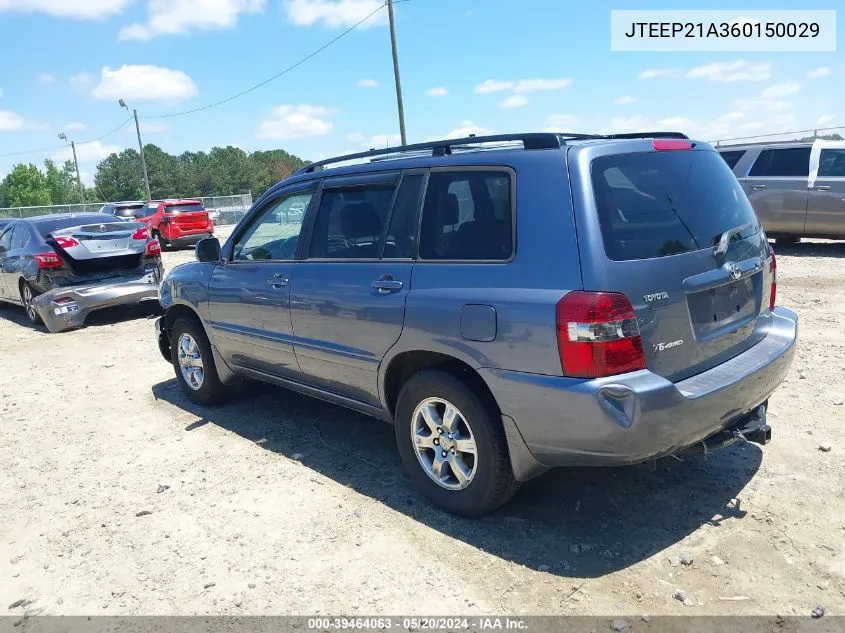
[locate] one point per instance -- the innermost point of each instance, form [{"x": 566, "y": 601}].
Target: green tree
[
  {"x": 62, "y": 182},
  {"x": 119, "y": 176},
  {"x": 27, "y": 186}
]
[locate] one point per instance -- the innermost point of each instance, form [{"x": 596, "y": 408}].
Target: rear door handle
[
  {"x": 823, "y": 188},
  {"x": 278, "y": 280},
  {"x": 387, "y": 284},
  {"x": 757, "y": 187}
]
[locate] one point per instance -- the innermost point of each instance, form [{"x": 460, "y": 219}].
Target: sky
[{"x": 467, "y": 66}]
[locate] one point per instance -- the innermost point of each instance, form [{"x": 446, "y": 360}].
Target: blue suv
[{"x": 509, "y": 303}]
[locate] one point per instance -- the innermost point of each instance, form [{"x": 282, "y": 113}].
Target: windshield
[
  {"x": 662, "y": 203},
  {"x": 128, "y": 212}
]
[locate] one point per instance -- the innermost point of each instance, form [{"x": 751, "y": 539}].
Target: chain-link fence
[{"x": 224, "y": 210}]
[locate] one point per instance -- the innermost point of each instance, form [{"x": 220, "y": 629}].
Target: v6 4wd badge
[{"x": 659, "y": 347}]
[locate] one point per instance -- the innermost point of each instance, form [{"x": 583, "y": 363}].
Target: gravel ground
[{"x": 120, "y": 497}]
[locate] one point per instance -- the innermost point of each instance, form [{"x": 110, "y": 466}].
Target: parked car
[
  {"x": 60, "y": 268},
  {"x": 446, "y": 290},
  {"x": 125, "y": 210},
  {"x": 797, "y": 189},
  {"x": 177, "y": 223}
]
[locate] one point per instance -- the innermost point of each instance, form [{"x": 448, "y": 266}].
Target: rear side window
[
  {"x": 664, "y": 203},
  {"x": 183, "y": 208},
  {"x": 20, "y": 237},
  {"x": 732, "y": 157},
  {"x": 350, "y": 222},
  {"x": 832, "y": 163},
  {"x": 468, "y": 215},
  {"x": 5, "y": 239},
  {"x": 790, "y": 161}
]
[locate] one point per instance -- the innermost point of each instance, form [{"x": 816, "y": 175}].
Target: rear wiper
[{"x": 725, "y": 239}]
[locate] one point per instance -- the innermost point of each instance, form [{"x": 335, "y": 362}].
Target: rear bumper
[
  {"x": 66, "y": 308},
  {"x": 180, "y": 238},
  {"x": 639, "y": 416}
]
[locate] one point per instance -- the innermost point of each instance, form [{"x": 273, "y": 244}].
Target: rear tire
[
  {"x": 165, "y": 246},
  {"x": 193, "y": 363},
  {"x": 28, "y": 295},
  {"x": 473, "y": 442}
]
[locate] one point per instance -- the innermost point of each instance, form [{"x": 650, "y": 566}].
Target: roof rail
[{"x": 530, "y": 141}]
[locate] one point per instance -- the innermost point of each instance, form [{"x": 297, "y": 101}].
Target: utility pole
[
  {"x": 396, "y": 73},
  {"x": 140, "y": 147},
  {"x": 75, "y": 164}
]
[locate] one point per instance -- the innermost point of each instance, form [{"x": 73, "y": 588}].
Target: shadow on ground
[
  {"x": 584, "y": 522},
  {"x": 811, "y": 249}
]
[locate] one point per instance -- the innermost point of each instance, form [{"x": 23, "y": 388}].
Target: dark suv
[{"x": 510, "y": 303}]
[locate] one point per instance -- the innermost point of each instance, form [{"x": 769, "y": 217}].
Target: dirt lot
[{"x": 280, "y": 504}]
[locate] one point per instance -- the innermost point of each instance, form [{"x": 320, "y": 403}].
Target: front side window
[
  {"x": 350, "y": 222},
  {"x": 785, "y": 162},
  {"x": 467, "y": 215},
  {"x": 832, "y": 163},
  {"x": 5, "y": 240},
  {"x": 275, "y": 232}
]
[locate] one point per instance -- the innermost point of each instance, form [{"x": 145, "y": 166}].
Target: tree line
[{"x": 222, "y": 171}]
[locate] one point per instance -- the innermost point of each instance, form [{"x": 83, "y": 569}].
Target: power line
[
  {"x": 274, "y": 77},
  {"x": 745, "y": 138},
  {"x": 44, "y": 150}
]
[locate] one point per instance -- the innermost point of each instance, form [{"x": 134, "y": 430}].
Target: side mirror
[{"x": 208, "y": 250}]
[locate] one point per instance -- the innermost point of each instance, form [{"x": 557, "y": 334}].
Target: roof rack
[{"x": 530, "y": 141}]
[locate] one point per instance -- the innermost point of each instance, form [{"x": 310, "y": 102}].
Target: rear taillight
[
  {"x": 66, "y": 242},
  {"x": 773, "y": 294},
  {"x": 140, "y": 234},
  {"x": 670, "y": 144},
  {"x": 153, "y": 248},
  {"x": 47, "y": 260},
  {"x": 598, "y": 335}
]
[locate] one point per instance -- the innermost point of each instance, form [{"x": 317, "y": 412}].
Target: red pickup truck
[{"x": 176, "y": 223}]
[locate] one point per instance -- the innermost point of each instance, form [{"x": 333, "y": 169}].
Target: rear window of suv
[
  {"x": 657, "y": 204},
  {"x": 183, "y": 208}
]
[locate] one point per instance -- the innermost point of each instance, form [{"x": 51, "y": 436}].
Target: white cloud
[
  {"x": 823, "y": 71},
  {"x": 781, "y": 90},
  {"x": 824, "y": 119},
  {"x": 367, "y": 83},
  {"x": 78, "y": 9},
  {"x": 74, "y": 126},
  {"x": 559, "y": 123},
  {"x": 335, "y": 13},
  {"x": 737, "y": 70},
  {"x": 654, "y": 73},
  {"x": 14, "y": 122},
  {"x": 492, "y": 85},
  {"x": 46, "y": 78},
  {"x": 522, "y": 85},
  {"x": 437, "y": 92},
  {"x": 514, "y": 101},
  {"x": 81, "y": 81},
  {"x": 356, "y": 137},
  {"x": 536, "y": 85},
  {"x": 295, "y": 121},
  {"x": 762, "y": 104},
  {"x": 86, "y": 152},
  {"x": 383, "y": 140},
  {"x": 171, "y": 17},
  {"x": 624, "y": 100},
  {"x": 732, "y": 116},
  {"x": 145, "y": 83},
  {"x": 465, "y": 129}
]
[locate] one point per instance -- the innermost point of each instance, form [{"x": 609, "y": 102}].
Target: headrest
[{"x": 451, "y": 212}]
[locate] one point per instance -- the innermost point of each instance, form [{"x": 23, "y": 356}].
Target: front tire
[
  {"x": 452, "y": 445},
  {"x": 28, "y": 295},
  {"x": 193, "y": 362}
]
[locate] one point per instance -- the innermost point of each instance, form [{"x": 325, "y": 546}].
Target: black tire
[
  {"x": 210, "y": 390},
  {"x": 165, "y": 246},
  {"x": 493, "y": 482},
  {"x": 28, "y": 294}
]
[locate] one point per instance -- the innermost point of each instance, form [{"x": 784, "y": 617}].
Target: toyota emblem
[{"x": 735, "y": 271}]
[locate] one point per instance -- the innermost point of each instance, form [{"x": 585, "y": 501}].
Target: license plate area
[{"x": 732, "y": 303}]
